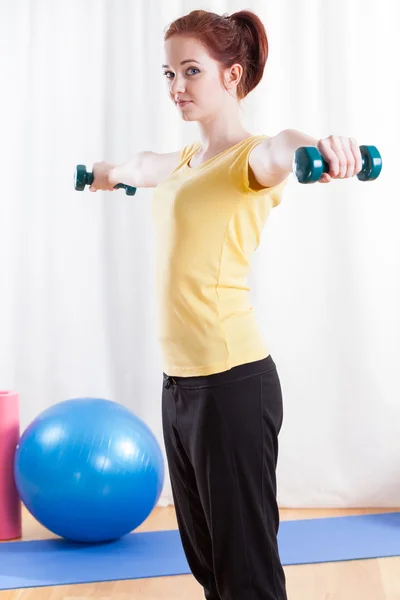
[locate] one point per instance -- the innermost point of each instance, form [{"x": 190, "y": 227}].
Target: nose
[{"x": 178, "y": 85}]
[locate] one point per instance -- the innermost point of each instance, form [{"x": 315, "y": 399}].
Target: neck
[{"x": 222, "y": 130}]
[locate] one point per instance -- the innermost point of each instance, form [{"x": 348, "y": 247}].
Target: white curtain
[{"x": 81, "y": 82}]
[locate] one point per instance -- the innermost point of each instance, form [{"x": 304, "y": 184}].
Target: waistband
[{"x": 238, "y": 373}]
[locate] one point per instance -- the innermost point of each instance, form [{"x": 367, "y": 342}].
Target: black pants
[{"x": 221, "y": 438}]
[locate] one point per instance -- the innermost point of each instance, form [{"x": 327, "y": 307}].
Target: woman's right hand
[{"x": 101, "y": 174}]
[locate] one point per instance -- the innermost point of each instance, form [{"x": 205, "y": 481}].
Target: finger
[
  {"x": 355, "y": 148},
  {"x": 325, "y": 178},
  {"x": 342, "y": 151},
  {"x": 349, "y": 156},
  {"x": 330, "y": 154}
]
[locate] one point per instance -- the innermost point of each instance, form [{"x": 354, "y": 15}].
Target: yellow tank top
[{"x": 208, "y": 223}]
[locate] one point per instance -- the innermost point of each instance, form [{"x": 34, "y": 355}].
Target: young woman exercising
[{"x": 222, "y": 399}]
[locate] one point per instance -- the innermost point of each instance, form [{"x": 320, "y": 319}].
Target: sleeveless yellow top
[{"x": 208, "y": 223}]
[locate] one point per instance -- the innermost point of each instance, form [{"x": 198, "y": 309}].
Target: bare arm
[
  {"x": 145, "y": 169},
  {"x": 271, "y": 161}
]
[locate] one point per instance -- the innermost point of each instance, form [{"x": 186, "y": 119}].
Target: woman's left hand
[{"x": 343, "y": 156}]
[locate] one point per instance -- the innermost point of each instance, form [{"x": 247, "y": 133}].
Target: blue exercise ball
[{"x": 89, "y": 470}]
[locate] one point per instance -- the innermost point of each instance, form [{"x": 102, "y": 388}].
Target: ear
[{"x": 233, "y": 75}]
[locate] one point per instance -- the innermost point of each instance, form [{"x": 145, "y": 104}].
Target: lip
[{"x": 183, "y": 103}]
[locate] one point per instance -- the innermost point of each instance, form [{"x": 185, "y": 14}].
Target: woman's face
[{"x": 194, "y": 79}]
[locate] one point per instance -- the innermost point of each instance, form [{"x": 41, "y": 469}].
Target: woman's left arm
[{"x": 271, "y": 161}]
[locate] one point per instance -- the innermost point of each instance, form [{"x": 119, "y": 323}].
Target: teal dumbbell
[
  {"x": 84, "y": 178},
  {"x": 309, "y": 166}
]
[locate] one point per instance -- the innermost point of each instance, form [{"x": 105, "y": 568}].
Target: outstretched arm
[
  {"x": 272, "y": 160},
  {"x": 145, "y": 169}
]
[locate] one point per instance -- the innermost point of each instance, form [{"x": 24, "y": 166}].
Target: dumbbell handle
[
  {"x": 309, "y": 166},
  {"x": 84, "y": 178}
]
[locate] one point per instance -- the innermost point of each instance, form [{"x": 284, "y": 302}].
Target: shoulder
[
  {"x": 261, "y": 164},
  {"x": 251, "y": 171},
  {"x": 188, "y": 150}
]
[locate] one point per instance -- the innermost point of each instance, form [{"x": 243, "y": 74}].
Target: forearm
[
  {"x": 127, "y": 173},
  {"x": 284, "y": 146}
]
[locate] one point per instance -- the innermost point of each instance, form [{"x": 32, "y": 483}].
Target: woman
[{"x": 222, "y": 400}]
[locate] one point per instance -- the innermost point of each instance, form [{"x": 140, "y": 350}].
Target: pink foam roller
[{"x": 10, "y": 504}]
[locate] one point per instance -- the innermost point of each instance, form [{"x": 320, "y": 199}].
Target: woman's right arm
[{"x": 144, "y": 170}]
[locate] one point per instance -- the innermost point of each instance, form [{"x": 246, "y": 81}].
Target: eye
[{"x": 191, "y": 71}]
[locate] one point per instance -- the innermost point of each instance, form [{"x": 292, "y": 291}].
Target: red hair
[{"x": 239, "y": 38}]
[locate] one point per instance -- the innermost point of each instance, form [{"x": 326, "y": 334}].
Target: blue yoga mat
[{"x": 160, "y": 553}]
